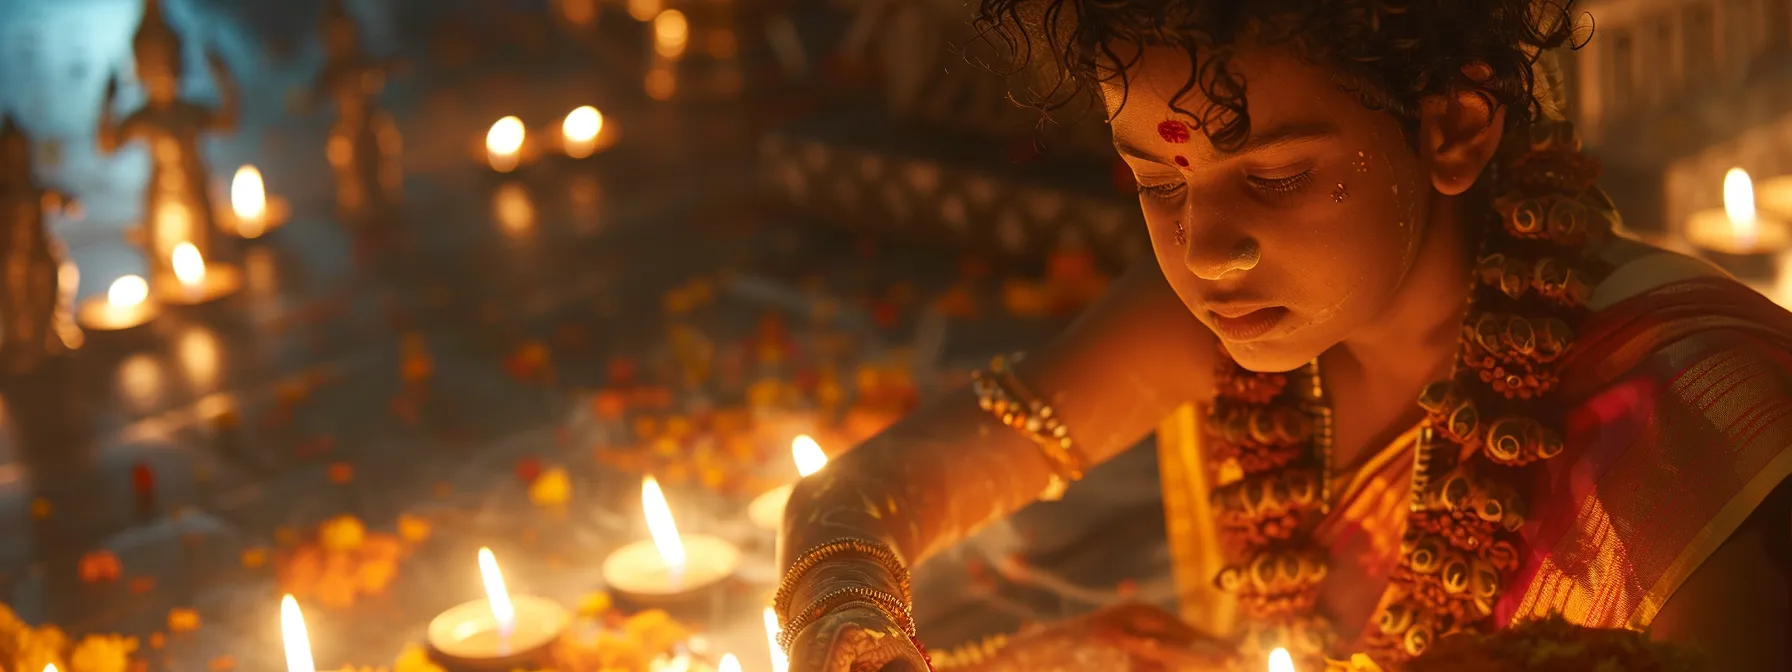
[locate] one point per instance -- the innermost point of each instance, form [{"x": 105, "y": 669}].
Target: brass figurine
[
  {"x": 177, "y": 201},
  {"x": 35, "y": 322},
  {"x": 364, "y": 144}
]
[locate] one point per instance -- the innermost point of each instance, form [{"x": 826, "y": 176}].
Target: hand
[
  {"x": 856, "y": 638},
  {"x": 1124, "y": 637}
]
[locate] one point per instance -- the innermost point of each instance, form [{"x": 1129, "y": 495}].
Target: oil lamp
[
  {"x": 1737, "y": 237},
  {"x": 671, "y": 565},
  {"x": 126, "y": 305},
  {"x": 500, "y": 632},
  {"x": 253, "y": 213}
]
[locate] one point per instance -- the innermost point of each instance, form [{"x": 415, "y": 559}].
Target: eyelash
[
  {"x": 1281, "y": 185},
  {"x": 1165, "y": 190}
]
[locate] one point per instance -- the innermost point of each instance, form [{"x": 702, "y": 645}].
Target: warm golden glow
[
  {"x": 502, "y": 611},
  {"x": 513, "y": 209},
  {"x": 583, "y": 124},
  {"x": 1280, "y": 661},
  {"x": 808, "y": 455},
  {"x": 728, "y": 663},
  {"x": 661, "y": 83},
  {"x": 127, "y": 291},
  {"x": 643, "y": 10},
  {"x": 189, "y": 267},
  {"x": 51, "y": 667},
  {"x": 1739, "y": 204},
  {"x": 671, "y": 32},
  {"x": 292, "y": 634},
  {"x": 661, "y": 526},
  {"x": 780, "y": 662}
]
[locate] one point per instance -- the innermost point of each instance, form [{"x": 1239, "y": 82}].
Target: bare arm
[
  {"x": 949, "y": 468},
  {"x": 1736, "y": 609}
]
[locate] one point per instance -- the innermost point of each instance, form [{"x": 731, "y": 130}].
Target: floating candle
[
  {"x": 500, "y": 632},
  {"x": 294, "y": 637},
  {"x": 504, "y": 144},
  {"x": 767, "y": 510},
  {"x": 125, "y": 305},
  {"x": 1737, "y": 237},
  {"x": 671, "y": 564},
  {"x": 1280, "y": 661},
  {"x": 252, "y": 212},
  {"x": 581, "y": 131},
  {"x": 196, "y": 280}
]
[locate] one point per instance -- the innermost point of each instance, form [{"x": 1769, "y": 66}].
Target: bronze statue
[
  {"x": 177, "y": 201},
  {"x": 35, "y": 321},
  {"x": 364, "y": 144}
]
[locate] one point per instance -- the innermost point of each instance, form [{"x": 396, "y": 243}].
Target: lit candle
[
  {"x": 125, "y": 305},
  {"x": 780, "y": 662},
  {"x": 189, "y": 267},
  {"x": 195, "y": 279},
  {"x": 580, "y": 131},
  {"x": 500, "y": 632},
  {"x": 504, "y": 144},
  {"x": 50, "y": 667},
  {"x": 767, "y": 510},
  {"x": 671, "y": 564},
  {"x": 728, "y": 663},
  {"x": 294, "y": 637},
  {"x": 1280, "y": 661},
  {"x": 1738, "y": 238},
  {"x": 252, "y": 210}
]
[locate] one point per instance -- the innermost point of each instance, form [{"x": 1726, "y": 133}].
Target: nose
[{"x": 1216, "y": 249}]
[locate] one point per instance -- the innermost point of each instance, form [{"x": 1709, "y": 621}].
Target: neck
[{"x": 1415, "y": 338}]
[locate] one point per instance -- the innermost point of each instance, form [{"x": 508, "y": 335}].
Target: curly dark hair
[{"x": 1392, "y": 53}]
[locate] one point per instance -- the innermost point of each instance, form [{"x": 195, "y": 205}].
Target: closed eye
[{"x": 1281, "y": 185}]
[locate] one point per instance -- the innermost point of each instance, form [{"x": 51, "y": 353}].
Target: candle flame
[
  {"x": 292, "y": 634},
  {"x": 127, "y": 291},
  {"x": 189, "y": 267},
  {"x": 661, "y": 526},
  {"x": 248, "y": 196},
  {"x": 728, "y": 663},
  {"x": 1739, "y": 204},
  {"x": 780, "y": 662},
  {"x": 583, "y": 124},
  {"x": 506, "y": 136},
  {"x": 502, "y": 611},
  {"x": 808, "y": 455},
  {"x": 1280, "y": 661},
  {"x": 670, "y": 33},
  {"x": 50, "y": 667}
]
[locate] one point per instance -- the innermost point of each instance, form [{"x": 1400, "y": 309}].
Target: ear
[{"x": 1458, "y": 135}]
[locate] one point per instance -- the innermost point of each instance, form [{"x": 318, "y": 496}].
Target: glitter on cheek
[
  {"x": 1361, "y": 163},
  {"x": 1340, "y": 193},
  {"x": 1182, "y": 160}
]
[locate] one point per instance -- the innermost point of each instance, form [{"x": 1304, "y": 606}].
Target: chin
[{"x": 1271, "y": 356}]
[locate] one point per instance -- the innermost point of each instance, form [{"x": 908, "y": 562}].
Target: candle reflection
[
  {"x": 513, "y": 209},
  {"x": 199, "y": 352},
  {"x": 140, "y": 381}
]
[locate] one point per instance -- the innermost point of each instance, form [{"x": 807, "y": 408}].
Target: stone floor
[{"x": 202, "y": 399}]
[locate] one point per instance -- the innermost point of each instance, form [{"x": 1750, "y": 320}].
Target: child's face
[{"x": 1288, "y": 244}]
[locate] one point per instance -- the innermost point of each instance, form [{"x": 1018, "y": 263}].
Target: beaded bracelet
[
  {"x": 1001, "y": 393},
  {"x": 815, "y": 556},
  {"x": 892, "y": 607}
]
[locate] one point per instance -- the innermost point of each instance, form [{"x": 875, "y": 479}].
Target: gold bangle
[
  {"x": 815, "y": 556},
  {"x": 1003, "y": 394},
  {"x": 894, "y": 608}
]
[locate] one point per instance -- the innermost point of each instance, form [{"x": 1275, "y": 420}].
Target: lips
[{"x": 1244, "y": 324}]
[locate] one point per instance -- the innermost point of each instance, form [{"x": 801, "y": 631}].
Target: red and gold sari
[{"x": 1681, "y": 424}]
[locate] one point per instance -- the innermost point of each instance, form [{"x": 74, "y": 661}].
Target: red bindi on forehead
[{"x": 1174, "y": 132}]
